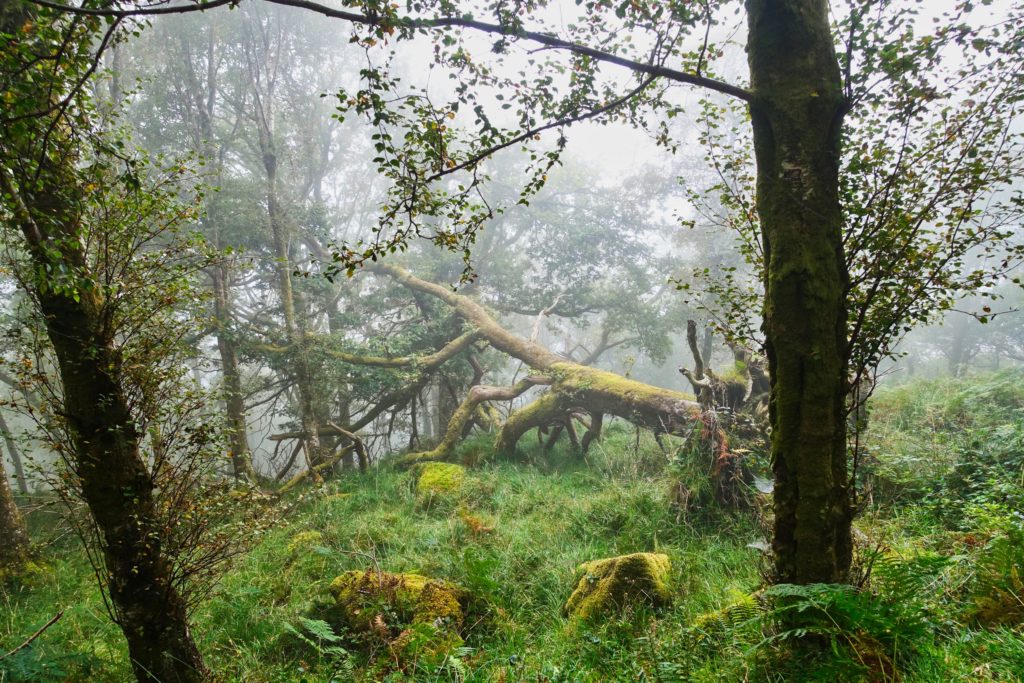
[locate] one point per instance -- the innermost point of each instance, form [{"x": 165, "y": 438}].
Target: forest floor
[{"x": 941, "y": 532}]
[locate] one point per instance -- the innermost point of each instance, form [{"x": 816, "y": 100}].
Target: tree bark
[{"x": 797, "y": 111}]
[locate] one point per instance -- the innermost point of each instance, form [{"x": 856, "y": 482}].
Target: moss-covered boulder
[
  {"x": 413, "y": 615},
  {"x": 304, "y": 541},
  {"x": 440, "y": 481},
  {"x": 611, "y": 584}
]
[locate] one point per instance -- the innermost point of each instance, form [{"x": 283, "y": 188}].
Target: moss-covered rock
[
  {"x": 304, "y": 541},
  {"x": 610, "y": 584},
  {"x": 439, "y": 480},
  {"x": 413, "y": 615}
]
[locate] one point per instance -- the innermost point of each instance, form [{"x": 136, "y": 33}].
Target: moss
[
  {"x": 590, "y": 379},
  {"x": 27, "y": 574},
  {"x": 611, "y": 584},
  {"x": 440, "y": 480},
  {"x": 411, "y": 598},
  {"x": 535, "y": 414},
  {"x": 411, "y": 614},
  {"x": 304, "y": 540}
]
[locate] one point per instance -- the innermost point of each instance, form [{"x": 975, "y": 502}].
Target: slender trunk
[
  {"x": 14, "y": 541},
  {"x": 202, "y": 102},
  {"x": 241, "y": 456},
  {"x": 12, "y": 448},
  {"x": 957, "y": 351},
  {"x": 797, "y": 114},
  {"x": 447, "y": 401},
  {"x": 294, "y": 328},
  {"x": 706, "y": 347}
]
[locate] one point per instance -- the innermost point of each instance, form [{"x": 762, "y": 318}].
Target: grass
[{"x": 537, "y": 520}]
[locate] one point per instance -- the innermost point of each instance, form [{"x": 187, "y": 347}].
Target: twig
[{"x": 35, "y": 635}]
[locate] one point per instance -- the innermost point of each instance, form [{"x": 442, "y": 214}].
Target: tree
[
  {"x": 55, "y": 169},
  {"x": 796, "y": 115}
]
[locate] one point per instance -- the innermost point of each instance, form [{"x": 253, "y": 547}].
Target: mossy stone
[
  {"x": 412, "y": 614},
  {"x": 442, "y": 480},
  {"x": 303, "y": 541},
  {"x": 613, "y": 583}
]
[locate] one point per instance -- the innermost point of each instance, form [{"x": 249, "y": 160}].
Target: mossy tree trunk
[
  {"x": 797, "y": 112},
  {"x": 114, "y": 479},
  {"x": 463, "y": 415},
  {"x": 573, "y": 386}
]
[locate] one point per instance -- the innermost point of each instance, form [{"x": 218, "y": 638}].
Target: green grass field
[{"x": 944, "y": 576}]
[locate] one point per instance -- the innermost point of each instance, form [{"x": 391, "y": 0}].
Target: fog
[{"x": 626, "y": 241}]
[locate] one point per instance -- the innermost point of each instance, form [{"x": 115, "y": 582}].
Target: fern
[{"x": 318, "y": 636}]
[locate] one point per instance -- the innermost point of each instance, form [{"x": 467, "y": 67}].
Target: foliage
[
  {"x": 319, "y": 637},
  {"x": 997, "y": 589},
  {"x": 929, "y": 178},
  {"x": 955, "y": 443},
  {"x": 916, "y": 615}
]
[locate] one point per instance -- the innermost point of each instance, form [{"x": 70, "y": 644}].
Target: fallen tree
[
  {"x": 572, "y": 387},
  {"x": 423, "y": 365}
]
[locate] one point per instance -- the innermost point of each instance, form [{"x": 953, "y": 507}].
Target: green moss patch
[
  {"x": 611, "y": 584},
  {"x": 414, "y": 616},
  {"x": 304, "y": 541},
  {"x": 440, "y": 480}
]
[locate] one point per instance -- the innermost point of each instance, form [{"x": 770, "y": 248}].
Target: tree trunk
[
  {"x": 43, "y": 197},
  {"x": 14, "y": 541},
  {"x": 12, "y": 448},
  {"x": 241, "y": 456},
  {"x": 119, "y": 492},
  {"x": 957, "y": 352},
  {"x": 202, "y": 100},
  {"x": 295, "y": 333},
  {"x": 447, "y": 402},
  {"x": 797, "y": 113},
  {"x": 572, "y": 385},
  {"x": 104, "y": 442}
]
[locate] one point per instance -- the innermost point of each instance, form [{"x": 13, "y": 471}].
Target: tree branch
[{"x": 545, "y": 39}]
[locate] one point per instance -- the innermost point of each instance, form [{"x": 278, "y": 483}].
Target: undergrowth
[{"x": 942, "y": 551}]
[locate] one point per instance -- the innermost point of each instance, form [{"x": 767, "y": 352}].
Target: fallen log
[{"x": 572, "y": 386}]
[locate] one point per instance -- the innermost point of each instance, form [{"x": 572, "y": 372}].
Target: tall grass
[{"x": 537, "y": 519}]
